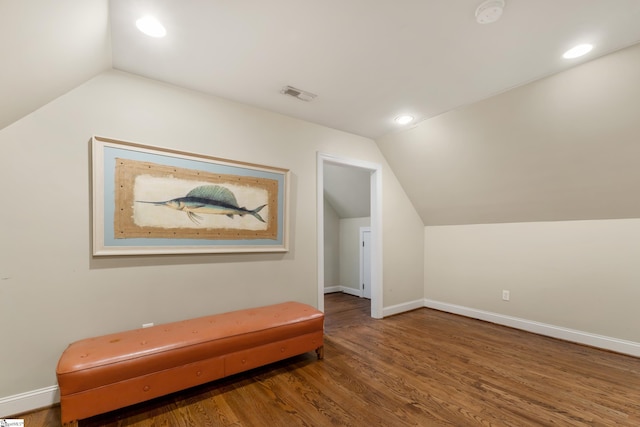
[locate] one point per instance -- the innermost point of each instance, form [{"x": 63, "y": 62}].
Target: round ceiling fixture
[
  {"x": 403, "y": 120},
  {"x": 151, "y": 26},
  {"x": 576, "y": 51},
  {"x": 489, "y": 11}
]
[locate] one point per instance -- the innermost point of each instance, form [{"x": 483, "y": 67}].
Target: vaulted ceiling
[
  {"x": 367, "y": 62},
  {"x": 566, "y": 147}
]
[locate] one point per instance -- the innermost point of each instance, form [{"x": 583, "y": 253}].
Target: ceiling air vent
[
  {"x": 298, "y": 93},
  {"x": 489, "y": 11}
]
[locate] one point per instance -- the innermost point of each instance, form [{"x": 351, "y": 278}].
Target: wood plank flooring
[{"x": 422, "y": 368}]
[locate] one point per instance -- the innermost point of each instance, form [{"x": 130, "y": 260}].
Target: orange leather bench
[{"x": 98, "y": 375}]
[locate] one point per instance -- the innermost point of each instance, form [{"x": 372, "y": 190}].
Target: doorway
[{"x": 375, "y": 188}]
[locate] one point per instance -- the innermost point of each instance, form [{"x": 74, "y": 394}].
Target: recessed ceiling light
[
  {"x": 403, "y": 120},
  {"x": 574, "y": 52},
  {"x": 151, "y": 26}
]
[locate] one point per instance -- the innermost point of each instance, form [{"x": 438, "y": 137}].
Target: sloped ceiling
[
  {"x": 368, "y": 61},
  {"x": 48, "y": 48},
  {"x": 472, "y": 156},
  {"x": 347, "y": 190},
  {"x": 563, "y": 148}
]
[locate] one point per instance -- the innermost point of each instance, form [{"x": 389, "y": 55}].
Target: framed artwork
[{"x": 151, "y": 200}]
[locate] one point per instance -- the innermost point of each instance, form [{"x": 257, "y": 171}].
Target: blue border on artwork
[{"x": 111, "y": 153}]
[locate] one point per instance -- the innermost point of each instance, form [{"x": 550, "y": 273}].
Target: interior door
[{"x": 365, "y": 256}]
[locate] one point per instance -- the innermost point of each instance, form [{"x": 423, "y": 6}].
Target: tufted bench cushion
[{"x": 100, "y": 374}]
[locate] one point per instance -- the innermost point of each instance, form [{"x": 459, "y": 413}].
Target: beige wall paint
[
  {"x": 582, "y": 275},
  {"x": 53, "y": 292},
  {"x": 561, "y": 148},
  {"x": 350, "y": 251},
  {"x": 47, "y": 49},
  {"x": 331, "y": 246},
  {"x": 403, "y": 244}
]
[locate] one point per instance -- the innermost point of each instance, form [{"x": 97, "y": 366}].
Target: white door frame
[
  {"x": 363, "y": 250},
  {"x": 376, "y": 226}
]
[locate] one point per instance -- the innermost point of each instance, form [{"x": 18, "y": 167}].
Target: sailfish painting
[
  {"x": 150, "y": 200},
  {"x": 208, "y": 199}
]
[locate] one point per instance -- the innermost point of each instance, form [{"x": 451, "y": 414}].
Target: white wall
[
  {"x": 53, "y": 292},
  {"x": 350, "y": 252},
  {"x": 581, "y": 275},
  {"x": 331, "y": 246}
]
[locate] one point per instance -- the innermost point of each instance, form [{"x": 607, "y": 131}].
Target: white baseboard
[
  {"x": 401, "y": 308},
  {"x": 44, "y": 397},
  {"x": 29, "y": 401},
  {"x": 607, "y": 343},
  {"x": 351, "y": 291},
  {"x": 344, "y": 289}
]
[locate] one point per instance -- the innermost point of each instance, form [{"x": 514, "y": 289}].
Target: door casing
[{"x": 375, "y": 171}]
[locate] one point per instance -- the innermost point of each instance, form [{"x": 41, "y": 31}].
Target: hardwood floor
[{"x": 422, "y": 368}]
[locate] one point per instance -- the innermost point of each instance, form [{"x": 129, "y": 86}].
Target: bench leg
[{"x": 320, "y": 352}]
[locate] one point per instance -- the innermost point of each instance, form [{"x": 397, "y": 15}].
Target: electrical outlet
[
  {"x": 147, "y": 325},
  {"x": 505, "y": 295}
]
